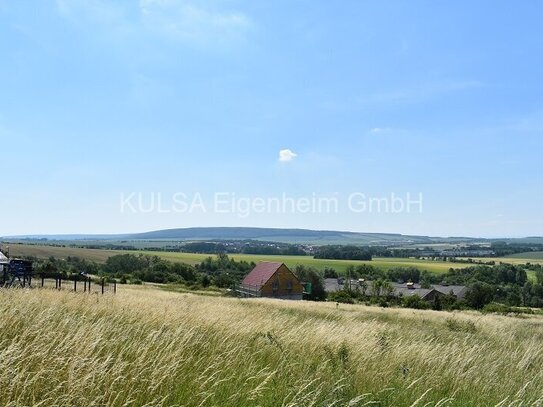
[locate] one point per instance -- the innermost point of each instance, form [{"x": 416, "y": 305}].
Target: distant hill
[
  {"x": 265, "y": 234},
  {"x": 278, "y": 235},
  {"x": 306, "y": 236}
]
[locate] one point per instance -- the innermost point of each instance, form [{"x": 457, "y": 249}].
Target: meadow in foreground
[{"x": 150, "y": 347}]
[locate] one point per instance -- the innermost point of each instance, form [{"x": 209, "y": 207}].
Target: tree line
[{"x": 502, "y": 284}]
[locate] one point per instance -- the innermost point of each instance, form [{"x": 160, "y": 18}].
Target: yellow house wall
[{"x": 283, "y": 275}]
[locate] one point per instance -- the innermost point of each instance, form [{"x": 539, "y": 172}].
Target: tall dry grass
[{"x": 146, "y": 347}]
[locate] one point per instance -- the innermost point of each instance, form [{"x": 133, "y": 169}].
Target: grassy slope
[
  {"x": 43, "y": 252},
  {"x": 192, "y": 258},
  {"x": 150, "y": 347}
]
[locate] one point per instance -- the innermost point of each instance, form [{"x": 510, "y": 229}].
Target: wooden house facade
[{"x": 273, "y": 280}]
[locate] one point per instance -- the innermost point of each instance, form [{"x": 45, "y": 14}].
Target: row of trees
[
  {"x": 397, "y": 274},
  {"x": 343, "y": 253},
  {"x": 247, "y": 247}
]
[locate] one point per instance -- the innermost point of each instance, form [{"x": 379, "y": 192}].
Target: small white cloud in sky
[
  {"x": 380, "y": 130},
  {"x": 286, "y": 155}
]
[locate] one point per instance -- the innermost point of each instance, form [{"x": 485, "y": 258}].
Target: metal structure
[{"x": 17, "y": 272}]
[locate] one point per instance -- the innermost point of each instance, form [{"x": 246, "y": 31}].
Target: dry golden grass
[{"x": 147, "y": 347}]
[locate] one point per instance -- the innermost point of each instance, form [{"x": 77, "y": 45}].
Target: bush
[
  {"x": 330, "y": 273},
  {"x": 414, "y": 301},
  {"x": 456, "y": 325},
  {"x": 497, "y": 308},
  {"x": 206, "y": 281},
  {"x": 313, "y": 276},
  {"x": 341, "y": 296}
]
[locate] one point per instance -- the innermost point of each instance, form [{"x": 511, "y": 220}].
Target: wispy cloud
[
  {"x": 182, "y": 21},
  {"x": 286, "y": 155},
  {"x": 380, "y": 130},
  {"x": 420, "y": 92},
  {"x": 192, "y": 23}
]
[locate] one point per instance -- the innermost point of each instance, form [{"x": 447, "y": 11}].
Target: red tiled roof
[{"x": 261, "y": 274}]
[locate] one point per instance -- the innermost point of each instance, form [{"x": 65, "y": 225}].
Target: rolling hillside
[
  {"x": 265, "y": 234},
  {"x": 300, "y": 236}
]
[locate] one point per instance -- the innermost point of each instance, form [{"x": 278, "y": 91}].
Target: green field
[
  {"x": 43, "y": 252},
  {"x": 531, "y": 256},
  {"x": 521, "y": 258},
  {"x": 148, "y": 347},
  {"x": 384, "y": 263},
  {"x": 340, "y": 266}
]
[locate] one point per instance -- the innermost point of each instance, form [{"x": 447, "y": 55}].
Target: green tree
[
  {"x": 313, "y": 276},
  {"x": 479, "y": 294},
  {"x": 330, "y": 273},
  {"x": 539, "y": 275},
  {"x": 376, "y": 287},
  {"x": 387, "y": 289},
  {"x": 206, "y": 281},
  {"x": 414, "y": 301}
]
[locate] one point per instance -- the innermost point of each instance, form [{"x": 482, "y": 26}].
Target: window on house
[
  {"x": 275, "y": 286},
  {"x": 289, "y": 286}
]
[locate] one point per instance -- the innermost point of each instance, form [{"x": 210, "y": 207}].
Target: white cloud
[
  {"x": 192, "y": 23},
  {"x": 286, "y": 155},
  {"x": 377, "y": 130},
  {"x": 184, "y": 21}
]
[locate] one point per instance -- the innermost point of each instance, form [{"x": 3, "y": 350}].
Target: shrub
[
  {"x": 414, "y": 301},
  {"x": 456, "y": 325},
  {"x": 341, "y": 296}
]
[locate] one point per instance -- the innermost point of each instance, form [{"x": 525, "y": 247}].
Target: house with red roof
[{"x": 274, "y": 280}]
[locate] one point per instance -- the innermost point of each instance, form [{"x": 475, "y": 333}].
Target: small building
[
  {"x": 3, "y": 259},
  {"x": 4, "y": 264},
  {"x": 411, "y": 289},
  {"x": 274, "y": 280},
  {"x": 457, "y": 291},
  {"x": 398, "y": 289}
]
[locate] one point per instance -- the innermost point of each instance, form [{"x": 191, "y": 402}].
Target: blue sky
[{"x": 157, "y": 97}]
